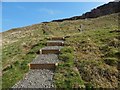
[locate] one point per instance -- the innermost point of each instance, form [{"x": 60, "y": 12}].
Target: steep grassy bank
[
  {"x": 96, "y": 49},
  {"x": 97, "y": 54},
  {"x": 66, "y": 74},
  {"x": 16, "y": 62}
]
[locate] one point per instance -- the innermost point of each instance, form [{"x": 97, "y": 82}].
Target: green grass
[
  {"x": 15, "y": 71},
  {"x": 96, "y": 50},
  {"x": 66, "y": 76},
  {"x": 111, "y": 61}
]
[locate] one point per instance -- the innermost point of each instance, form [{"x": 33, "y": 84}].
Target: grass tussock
[
  {"x": 97, "y": 57},
  {"x": 66, "y": 75}
]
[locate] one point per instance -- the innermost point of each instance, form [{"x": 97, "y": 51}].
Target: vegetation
[
  {"x": 96, "y": 53},
  {"x": 15, "y": 71},
  {"x": 66, "y": 75}
]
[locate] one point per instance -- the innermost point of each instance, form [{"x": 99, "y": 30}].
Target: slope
[{"x": 95, "y": 44}]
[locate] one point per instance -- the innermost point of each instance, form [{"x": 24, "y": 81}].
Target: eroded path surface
[
  {"x": 46, "y": 58},
  {"x": 37, "y": 78},
  {"x": 40, "y": 76}
]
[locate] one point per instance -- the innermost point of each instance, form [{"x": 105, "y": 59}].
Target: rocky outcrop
[{"x": 106, "y": 9}]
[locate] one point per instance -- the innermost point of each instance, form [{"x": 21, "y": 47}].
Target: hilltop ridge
[{"x": 106, "y": 9}]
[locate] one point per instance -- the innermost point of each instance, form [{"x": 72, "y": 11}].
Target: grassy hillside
[{"x": 95, "y": 49}]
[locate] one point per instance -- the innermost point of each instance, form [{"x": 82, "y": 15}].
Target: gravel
[
  {"x": 46, "y": 58},
  {"x": 38, "y": 78}
]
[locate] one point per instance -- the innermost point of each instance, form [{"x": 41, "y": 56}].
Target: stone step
[
  {"x": 50, "y": 50},
  {"x": 57, "y": 38},
  {"x": 44, "y": 61},
  {"x": 55, "y": 43},
  {"x": 36, "y": 78}
]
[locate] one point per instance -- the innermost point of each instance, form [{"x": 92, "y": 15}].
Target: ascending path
[
  {"x": 42, "y": 67},
  {"x": 37, "y": 78},
  {"x": 44, "y": 61}
]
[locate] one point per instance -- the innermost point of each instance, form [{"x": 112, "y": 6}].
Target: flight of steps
[{"x": 42, "y": 67}]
